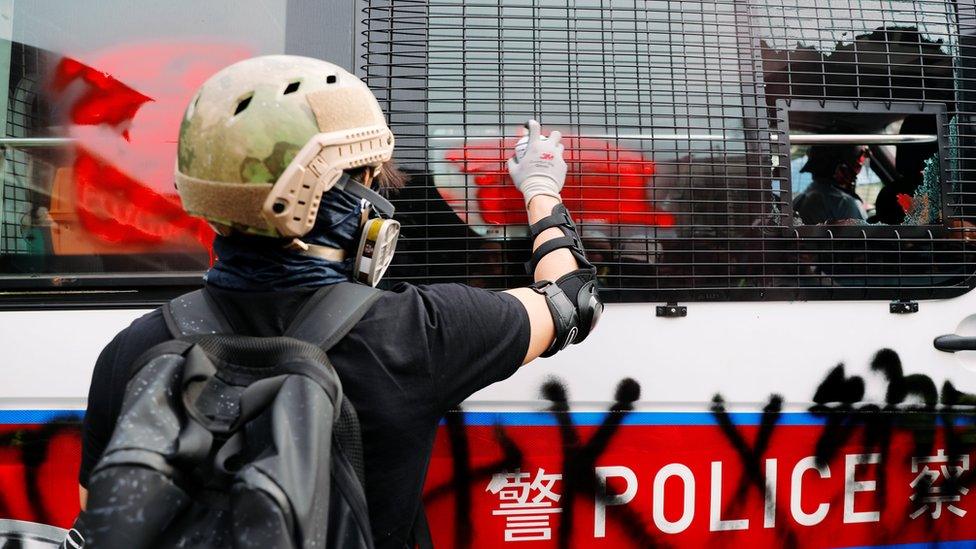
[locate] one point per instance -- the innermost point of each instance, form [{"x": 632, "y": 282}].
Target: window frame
[{"x": 781, "y": 144}]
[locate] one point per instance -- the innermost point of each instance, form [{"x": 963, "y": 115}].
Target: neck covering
[{"x": 254, "y": 263}]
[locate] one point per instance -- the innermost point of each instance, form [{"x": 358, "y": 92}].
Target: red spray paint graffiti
[
  {"x": 39, "y": 472},
  {"x": 105, "y": 101},
  {"x": 118, "y": 209},
  {"x": 124, "y": 109},
  {"x": 606, "y": 183}
]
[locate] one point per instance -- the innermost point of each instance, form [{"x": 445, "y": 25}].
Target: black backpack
[{"x": 234, "y": 441}]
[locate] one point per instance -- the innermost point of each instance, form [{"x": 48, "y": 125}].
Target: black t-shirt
[{"x": 417, "y": 353}]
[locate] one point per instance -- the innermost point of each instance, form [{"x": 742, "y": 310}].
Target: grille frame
[{"x": 393, "y": 51}]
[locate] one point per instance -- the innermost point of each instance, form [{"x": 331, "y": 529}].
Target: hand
[{"x": 538, "y": 167}]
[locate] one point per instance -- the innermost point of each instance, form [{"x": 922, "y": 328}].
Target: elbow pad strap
[
  {"x": 549, "y": 246},
  {"x": 575, "y": 306},
  {"x": 560, "y": 219}
]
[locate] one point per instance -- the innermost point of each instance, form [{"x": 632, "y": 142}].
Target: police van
[{"x": 765, "y": 374}]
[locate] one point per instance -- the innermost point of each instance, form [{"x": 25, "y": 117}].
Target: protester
[{"x": 420, "y": 350}]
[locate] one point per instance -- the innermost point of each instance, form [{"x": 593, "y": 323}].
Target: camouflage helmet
[{"x": 248, "y": 122}]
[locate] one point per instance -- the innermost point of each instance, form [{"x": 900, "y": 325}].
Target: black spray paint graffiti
[
  {"x": 751, "y": 458},
  {"x": 579, "y": 460},
  {"x": 911, "y": 403},
  {"x": 578, "y": 457},
  {"x": 464, "y": 476}
]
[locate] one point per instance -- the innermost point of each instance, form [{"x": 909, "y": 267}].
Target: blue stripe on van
[
  {"x": 518, "y": 419},
  {"x": 526, "y": 419},
  {"x": 644, "y": 418},
  {"x": 547, "y": 419},
  {"x": 967, "y": 544},
  {"x": 33, "y": 417}
]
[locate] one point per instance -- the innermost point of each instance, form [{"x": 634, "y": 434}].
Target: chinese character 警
[{"x": 526, "y": 503}]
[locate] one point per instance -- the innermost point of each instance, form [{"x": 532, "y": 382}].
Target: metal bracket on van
[
  {"x": 900, "y": 307},
  {"x": 672, "y": 310}
]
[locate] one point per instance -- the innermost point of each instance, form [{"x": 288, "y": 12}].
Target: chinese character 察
[{"x": 937, "y": 493}]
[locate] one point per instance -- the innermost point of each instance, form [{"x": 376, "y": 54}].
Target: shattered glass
[{"x": 926, "y": 204}]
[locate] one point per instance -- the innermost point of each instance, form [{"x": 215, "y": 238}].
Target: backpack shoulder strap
[
  {"x": 331, "y": 312},
  {"x": 323, "y": 320},
  {"x": 193, "y": 314}
]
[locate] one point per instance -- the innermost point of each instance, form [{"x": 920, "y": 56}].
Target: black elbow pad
[{"x": 575, "y": 306}]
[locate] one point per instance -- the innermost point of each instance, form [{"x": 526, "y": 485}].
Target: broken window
[{"x": 864, "y": 165}]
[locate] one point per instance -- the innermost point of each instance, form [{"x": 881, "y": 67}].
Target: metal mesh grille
[
  {"x": 21, "y": 107},
  {"x": 685, "y": 121}
]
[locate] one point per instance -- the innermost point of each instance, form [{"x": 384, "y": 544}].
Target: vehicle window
[
  {"x": 875, "y": 166},
  {"x": 94, "y": 96},
  {"x": 685, "y": 124},
  {"x": 687, "y": 135}
]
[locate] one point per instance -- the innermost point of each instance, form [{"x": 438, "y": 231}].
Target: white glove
[{"x": 538, "y": 166}]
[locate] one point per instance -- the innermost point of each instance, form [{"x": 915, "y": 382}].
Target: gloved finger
[
  {"x": 555, "y": 136},
  {"x": 535, "y": 130},
  {"x": 512, "y": 164},
  {"x": 560, "y": 148}
]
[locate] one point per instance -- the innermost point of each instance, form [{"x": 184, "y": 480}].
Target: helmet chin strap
[{"x": 316, "y": 250}]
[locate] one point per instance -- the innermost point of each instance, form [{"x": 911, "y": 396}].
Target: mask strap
[{"x": 383, "y": 206}]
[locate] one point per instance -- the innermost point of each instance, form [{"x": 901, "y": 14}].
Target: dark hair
[{"x": 391, "y": 178}]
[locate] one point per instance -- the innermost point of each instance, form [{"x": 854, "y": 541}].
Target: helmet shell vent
[
  {"x": 292, "y": 87},
  {"x": 243, "y": 103}
]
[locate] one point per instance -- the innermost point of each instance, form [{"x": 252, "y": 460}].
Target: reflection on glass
[{"x": 96, "y": 94}]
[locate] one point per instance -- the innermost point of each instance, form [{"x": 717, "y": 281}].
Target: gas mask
[{"x": 378, "y": 233}]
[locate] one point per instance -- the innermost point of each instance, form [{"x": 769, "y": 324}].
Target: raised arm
[{"x": 563, "y": 305}]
